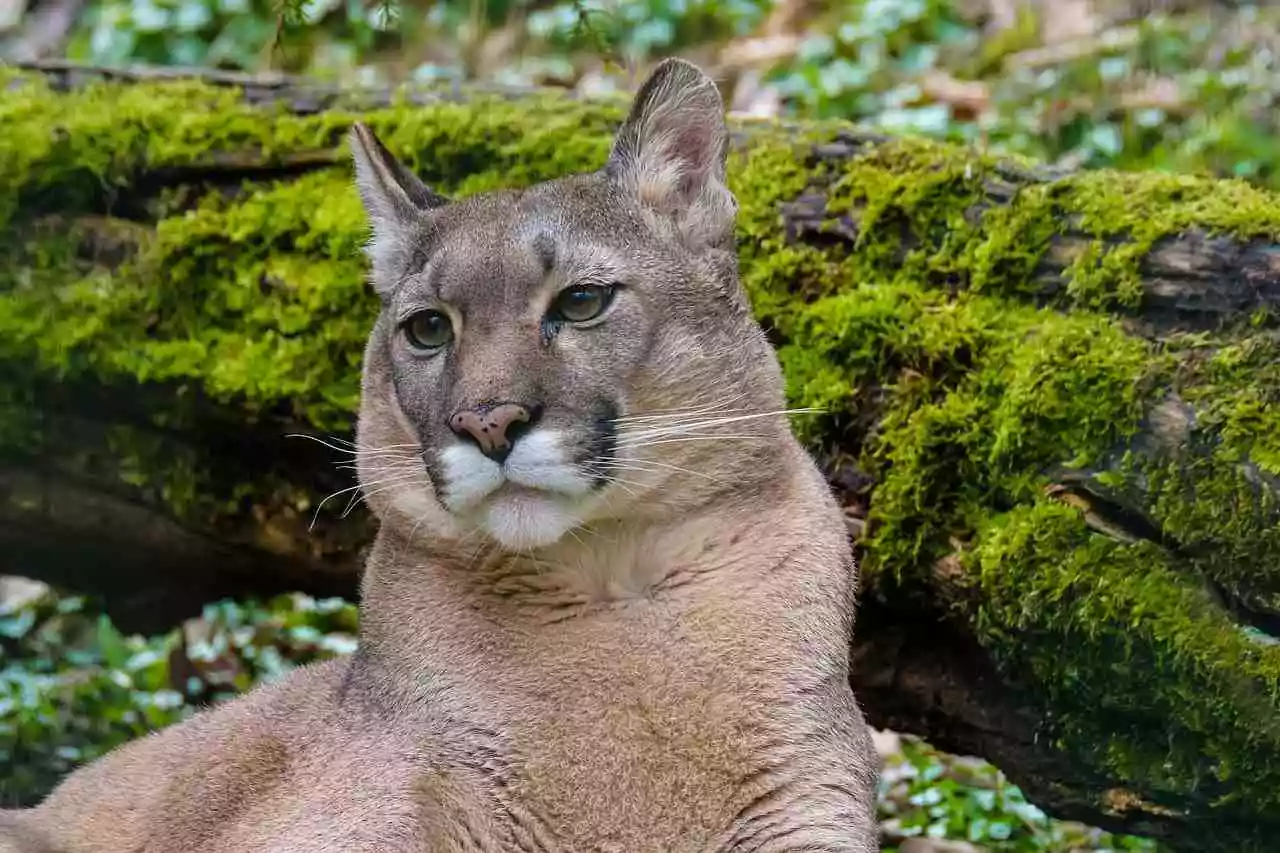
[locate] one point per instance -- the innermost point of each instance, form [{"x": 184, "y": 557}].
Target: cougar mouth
[
  {"x": 537, "y": 463},
  {"x": 530, "y": 498}
]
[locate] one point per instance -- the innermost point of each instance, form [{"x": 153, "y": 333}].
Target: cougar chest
[{"x": 639, "y": 729}]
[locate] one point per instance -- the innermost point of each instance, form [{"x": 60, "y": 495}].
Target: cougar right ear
[
  {"x": 670, "y": 152},
  {"x": 393, "y": 196}
]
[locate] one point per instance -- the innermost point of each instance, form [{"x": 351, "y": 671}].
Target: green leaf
[{"x": 115, "y": 652}]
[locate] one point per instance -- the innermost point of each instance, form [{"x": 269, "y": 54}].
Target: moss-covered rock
[{"x": 1057, "y": 390}]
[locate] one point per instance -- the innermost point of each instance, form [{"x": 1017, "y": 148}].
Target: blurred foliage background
[
  {"x": 1132, "y": 84},
  {"x": 1141, "y": 84}
]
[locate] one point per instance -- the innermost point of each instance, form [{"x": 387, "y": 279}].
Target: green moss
[
  {"x": 927, "y": 210},
  {"x": 1146, "y": 674},
  {"x": 1016, "y": 238},
  {"x": 1071, "y": 387},
  {"x": 910, "y": 199},
  {"x": 1225, "y": 520},
  {"x": 763, "y": 175},
  {"x": 981, "y": 400},
  {"x": 1237, "y": 391}
]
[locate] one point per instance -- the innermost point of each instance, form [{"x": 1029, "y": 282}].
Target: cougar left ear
[
  {"x": 670, "y": 153},
  {"x": 394, "y": 199}
]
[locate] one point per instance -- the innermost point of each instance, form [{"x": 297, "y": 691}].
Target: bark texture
[{"x": 1050, "y": 402}]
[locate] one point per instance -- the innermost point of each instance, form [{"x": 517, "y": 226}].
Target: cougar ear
[
  {"x": 393, "y": 197},
  {"x": 670, "y": 152}
]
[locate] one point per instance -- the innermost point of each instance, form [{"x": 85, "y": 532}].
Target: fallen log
[{"x": 1049, "y": 401}]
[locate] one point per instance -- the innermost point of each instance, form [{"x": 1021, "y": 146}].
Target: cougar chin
[
  {"x": 523, "y": 519},
  {"x": 531, "y": 499}
]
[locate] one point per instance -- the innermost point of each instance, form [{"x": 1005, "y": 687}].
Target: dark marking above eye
[
  {"x": 545, "y": 245},
  {"x": 436, "y": 267},
  {"x": 419, "y": 256}
]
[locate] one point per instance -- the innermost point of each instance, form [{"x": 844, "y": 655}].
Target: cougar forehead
[{"x": 491, "y": 252}]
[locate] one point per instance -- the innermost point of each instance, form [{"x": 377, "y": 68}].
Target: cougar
[{"x": 609, "y": 603}]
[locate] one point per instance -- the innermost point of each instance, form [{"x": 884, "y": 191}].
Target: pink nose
[{"x": 493, "y": 428}]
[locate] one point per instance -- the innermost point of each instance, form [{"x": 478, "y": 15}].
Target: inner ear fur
[{"x": 670, "y": 152}]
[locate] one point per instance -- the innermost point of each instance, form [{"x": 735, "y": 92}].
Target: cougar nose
[{"x": 493, "y": 428}]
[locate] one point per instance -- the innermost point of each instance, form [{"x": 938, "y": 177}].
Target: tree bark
[{"x": 146, "y": 457}]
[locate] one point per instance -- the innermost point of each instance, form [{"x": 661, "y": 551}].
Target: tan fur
[{"x": 646, "y": 650}]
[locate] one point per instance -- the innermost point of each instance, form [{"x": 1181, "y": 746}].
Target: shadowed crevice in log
[
  {"x": 76, "y": 536},
  {"x": 226, "y": 174},
  {"x": 157, "y": 504},
  {"x": 1111, "y": 515},
  {"x": 148, "y": 198},
  {"x": 1119, "y": 499},
  {"x": 1116, "y": 499},
  {"x": 913, "y": 671}
]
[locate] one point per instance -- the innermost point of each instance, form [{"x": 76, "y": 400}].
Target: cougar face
[{"x": 564, "y": 354}]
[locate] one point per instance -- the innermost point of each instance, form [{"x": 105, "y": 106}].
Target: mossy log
[{"x": 1050, "y": 402}]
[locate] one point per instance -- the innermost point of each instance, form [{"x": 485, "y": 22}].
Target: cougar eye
[
  {"x": 428, "y": 330},
  {"x": 581, "y": 303}
]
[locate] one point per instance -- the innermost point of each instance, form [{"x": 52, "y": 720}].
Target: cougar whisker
[
  {"x": 316, "y": 515},
  {"x": 714, "y": 422},
  {"x": 364, "y": 495},
  {"x": 640, "y": 464}
]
